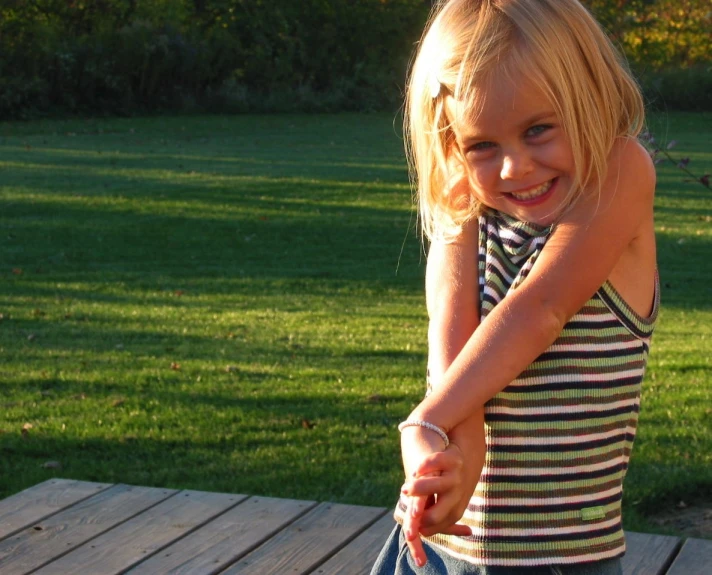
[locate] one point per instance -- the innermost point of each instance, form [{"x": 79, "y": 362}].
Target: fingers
[
  {"x": 427, "y": 514},
  {"x": 435, "y": 474},
  {"x": 443, "y": 515},
  {"x": 440, "y": 463},
  {"x": 457, "y": 529},
  {"x": 443, "y": 478},
  {"x": 426, "y": 486},
  {"x": 411, "y": 529}
]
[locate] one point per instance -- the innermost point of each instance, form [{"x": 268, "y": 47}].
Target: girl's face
[{"x": 517, "y": 156}]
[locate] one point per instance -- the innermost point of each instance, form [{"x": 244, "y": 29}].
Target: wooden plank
[
  {"x": 138, "y": 538},
  {"x": 60, "y": 533},
  {"x": 224, "y": 540},
  {"x": 648, "y": 554},
  {"x": 34, "y": 504},
  {"x": 695, "y": 558},
  {"x": 309, "y": 541},
  {"x": 358, "y": 557}
]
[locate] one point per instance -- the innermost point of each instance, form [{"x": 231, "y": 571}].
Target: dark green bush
[
  {"x": 682, "y": 89},
  {"x": 121, "y": 56},
  {"x": 141, "y": 56}
]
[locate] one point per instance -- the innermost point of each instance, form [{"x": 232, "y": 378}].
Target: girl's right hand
[
  {"x": 417, "y": 445},
  {"x": 441, "y": 492},
  {"x": 436, "y": 497}
]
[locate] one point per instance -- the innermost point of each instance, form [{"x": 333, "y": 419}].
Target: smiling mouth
[{"x": 533, "y": 193}]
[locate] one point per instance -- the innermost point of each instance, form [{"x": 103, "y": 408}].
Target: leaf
[
  {"x": 175, "y": 366},
  {"x": 51, "y": 465},
  {"x": 683, "y": 162},
  {"x": 671, "y": 144},
  {"x": 306, "y": 424},
  {"x": 705, "y": 180},
  {"x": 17, "y": 271}
]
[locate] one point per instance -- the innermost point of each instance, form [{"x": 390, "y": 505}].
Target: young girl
[{"x": 541, "y": 289}]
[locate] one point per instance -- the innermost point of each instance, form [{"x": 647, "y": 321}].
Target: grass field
[{"x": 236, "y": 304}]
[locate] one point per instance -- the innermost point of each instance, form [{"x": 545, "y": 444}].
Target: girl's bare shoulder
[{"x": 630, "y": 170}]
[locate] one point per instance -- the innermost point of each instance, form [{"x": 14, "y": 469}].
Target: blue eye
[
  {"x": 538, "y": 129},
  {"x": 482, "y": 146}
]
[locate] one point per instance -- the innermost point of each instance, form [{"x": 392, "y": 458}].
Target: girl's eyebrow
[{"x": 538, "y": 118}]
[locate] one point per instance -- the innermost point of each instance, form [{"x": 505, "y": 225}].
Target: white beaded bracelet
[{"x": 426, "y": 425}]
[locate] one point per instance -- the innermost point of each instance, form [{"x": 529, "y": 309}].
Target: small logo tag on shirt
[{"x": 591, "y": 513}]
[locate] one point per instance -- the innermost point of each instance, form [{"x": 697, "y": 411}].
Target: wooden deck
[{"x": 75, "y": 527}]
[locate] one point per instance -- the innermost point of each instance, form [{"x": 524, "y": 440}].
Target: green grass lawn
[{"x": 236, "y": 304}]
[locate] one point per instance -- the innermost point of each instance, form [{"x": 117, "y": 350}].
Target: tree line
[{"x": 143, "y": 56}]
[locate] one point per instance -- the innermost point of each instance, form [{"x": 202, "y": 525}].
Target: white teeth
[{"x": 535, "y": 192}]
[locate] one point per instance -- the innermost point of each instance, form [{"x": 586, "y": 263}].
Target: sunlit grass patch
[{"x": 236, "y": 304}]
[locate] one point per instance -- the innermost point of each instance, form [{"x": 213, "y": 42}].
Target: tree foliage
[
  {"x": 659, "y": 34},
  {"x": 131, "y": 56}
]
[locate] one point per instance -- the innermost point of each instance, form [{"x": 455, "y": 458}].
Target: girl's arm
[
  {"x": 452, "y": 296},
  {"x": 577, "y": 259},
  {"x": 453, "y": 307}
]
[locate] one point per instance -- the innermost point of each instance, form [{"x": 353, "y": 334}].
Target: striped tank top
[{"x": 559, "y": 437}]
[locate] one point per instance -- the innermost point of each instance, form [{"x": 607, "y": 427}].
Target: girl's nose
[{"x": 515, "y": 165}]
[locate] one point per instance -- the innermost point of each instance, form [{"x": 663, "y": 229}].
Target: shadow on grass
[
  {"x": 334, "y": 241},
  {"x": 259, "y": 446}
]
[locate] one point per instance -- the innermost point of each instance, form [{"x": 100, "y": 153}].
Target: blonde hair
[{"x": 556, "y": 44}]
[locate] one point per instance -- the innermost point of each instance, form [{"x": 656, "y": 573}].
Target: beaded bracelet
[{"x": 426, "y": 425}]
